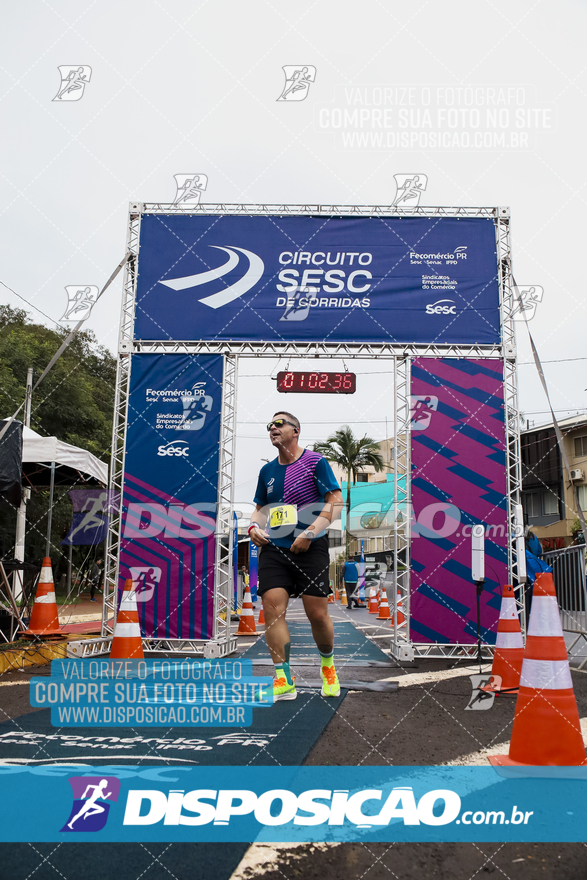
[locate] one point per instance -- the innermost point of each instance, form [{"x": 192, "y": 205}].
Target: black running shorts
[{"x": 301, "y": 574}]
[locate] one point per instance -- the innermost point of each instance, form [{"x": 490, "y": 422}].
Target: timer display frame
[{"x": 316, "y": 382}]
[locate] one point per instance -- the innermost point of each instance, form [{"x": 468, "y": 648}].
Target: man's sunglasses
[{"x": 279, "y": 423}]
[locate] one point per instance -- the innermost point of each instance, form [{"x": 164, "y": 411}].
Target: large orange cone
[
  {"x": 246, "y": 625},
  {"x": 373, "y": 606},
  {"x": 400, "y": 614},
  {"x": 343, "y": 597},
  {"x": 336, "y": 594},
  {"x": 509, "y": 646},
  {"x": 261, "y": 620},
  {"x": 44, "y": 618},
  {"x": 546, "y": 727},
  {"x": 383, "y": 606},
  {"x": 126, "y": 641}
]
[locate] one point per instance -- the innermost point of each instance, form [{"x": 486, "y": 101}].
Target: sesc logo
[
  {"x": 176, "y": 448},
  {"x": 442, "y": 307}
]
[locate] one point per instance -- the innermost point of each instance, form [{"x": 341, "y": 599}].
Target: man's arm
[
  {"x": 329, "y": 513},
  {"x": 257, "y": 535}
]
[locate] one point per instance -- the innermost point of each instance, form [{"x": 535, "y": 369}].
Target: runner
[{"x": 297, "y": 497}]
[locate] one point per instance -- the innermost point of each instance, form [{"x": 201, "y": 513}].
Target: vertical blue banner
[
  {"x": 235, "y": 558},
  {"x": 362, "y": 574},
  {"x": 170, "y": 491},
  {"x": 253, "y": 570}
]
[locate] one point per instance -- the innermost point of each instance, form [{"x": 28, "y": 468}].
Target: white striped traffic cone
[
  {"x": 373, "y": 606},
  {"x": 546, "y": 727},
  {"x": 509, "y": 646},
  {"x": 383, "y": 606},
  {"x": 246, "y": 624},
  {"x": 126, "y": 642},
  {"x": 44, "y": 619}
]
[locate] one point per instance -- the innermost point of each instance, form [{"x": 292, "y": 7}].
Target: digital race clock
[{"x": 317, "y": 383}]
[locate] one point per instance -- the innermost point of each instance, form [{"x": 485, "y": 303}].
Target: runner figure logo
[
  {"x": 297, "y": 307},
  {"x": 74, "y": 79},
  {"x": 91, "y": 512},
  {"x": 144, "y": 580},
  {"x": 80, "y": 300},
  {"x": 481, "y": 699},
  {"x": 195, "y": 410},
  {"x": 526, "y": 303},
  {"x": 421, "y": 408},
  {"x": 297, "y": 82},
  {"x": 90, "y": 802},
  {"x": 189, "y": 188},
  {"x": 409, "y": 188}
]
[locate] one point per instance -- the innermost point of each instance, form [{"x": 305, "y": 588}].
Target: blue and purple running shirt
[{"x": 304, "y": 484}]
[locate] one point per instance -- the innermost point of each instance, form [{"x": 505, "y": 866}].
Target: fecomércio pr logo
[{"x": 92, "y": 798}]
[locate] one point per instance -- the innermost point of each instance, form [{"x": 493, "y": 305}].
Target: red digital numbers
[{"x": 314, "y": 382}]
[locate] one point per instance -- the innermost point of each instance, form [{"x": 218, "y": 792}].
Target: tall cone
[
  {"x": 336, "y": 594},
  {"x": 383, "y": 606},
  {"x": 546, "y": 727},
  {"x": 343, "y": 597},
  {"x": 261, "y": 620},
  {"x": 373, "y": 606},
  {"x": 126, "y": 641},
  {"x": 246, "y": 624},
  {"x": 509, "y": 645},
  {"x": 400, "y": 614},
  {"x": 44, "y": 618}
]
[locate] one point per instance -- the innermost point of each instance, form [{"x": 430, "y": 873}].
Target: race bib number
[{"x": 283, "y": 515}]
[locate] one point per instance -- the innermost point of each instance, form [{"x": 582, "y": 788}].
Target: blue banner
[
  {"x": 298, "y": 804},
  {"x": 253, "y": 570},
  {"x": 409, "y": 279},
  {"x": 170, "y": 491}
]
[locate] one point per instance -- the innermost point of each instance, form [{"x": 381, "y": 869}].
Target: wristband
[{"x": 253, "y": 526}]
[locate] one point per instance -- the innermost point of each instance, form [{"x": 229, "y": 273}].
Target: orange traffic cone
[
  {"x": 336, "y": 594},
  {"x": 126, "y": 641},
  {"x": 373, "y": 606},
  {"x": 383, "y": 606},
  {"x": 331, "y": 598},
  {"x": 261, "y": 620},
  {"x": 509, "y": 646},
  {"x": 400, "y": 614},
  {"x": 546, "y": 727},
  {"x": 246, "y": 624},
  {"x": 44, "y": 619},
  {"x": 343, "y": 597}
]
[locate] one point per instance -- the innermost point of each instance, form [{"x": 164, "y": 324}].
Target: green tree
[
  {"x": 75, "y": 403},
  {"x": 352, "y": 454}
]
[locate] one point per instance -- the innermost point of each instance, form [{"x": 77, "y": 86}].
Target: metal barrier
[{"x": 568, "y": 567}]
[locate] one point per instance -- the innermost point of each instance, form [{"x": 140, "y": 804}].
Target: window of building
[
  {"x": 532, "y": 505},
  {"x": 549, "y": 503},
  {"x": 580, "y": 446},
  {"x": 362, "y": 478},
  {"x": 582, "y": 493}
]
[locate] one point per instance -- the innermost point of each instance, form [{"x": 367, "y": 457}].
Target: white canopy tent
[
  {"x": 47, "y": 460},
  {"x": 45, "y": 450}
]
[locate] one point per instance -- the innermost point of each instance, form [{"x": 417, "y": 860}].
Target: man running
[{"x": 297, "y": 498}]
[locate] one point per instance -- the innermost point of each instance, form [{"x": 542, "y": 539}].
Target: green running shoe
[
  {"x": 282, "y": 690},
  {"x": 330, "y": 682}
]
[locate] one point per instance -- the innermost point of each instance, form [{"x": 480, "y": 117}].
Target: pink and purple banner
[
  {"x": 459, "y": 479},
  {"x": 170, "y": 492}
]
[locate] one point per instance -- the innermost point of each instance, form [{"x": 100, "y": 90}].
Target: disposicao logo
[
  {"x": 253, "y": 274},
  {"x": 90, "y": 802}
]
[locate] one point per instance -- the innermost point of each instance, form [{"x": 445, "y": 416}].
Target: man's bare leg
[
  {"x": 316, "y": 608},
  {"x": 275, "y": 603}
]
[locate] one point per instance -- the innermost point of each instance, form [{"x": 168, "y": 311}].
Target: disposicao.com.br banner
[{"x": 303, "y": 804}]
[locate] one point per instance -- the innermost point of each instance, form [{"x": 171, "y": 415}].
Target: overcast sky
[{"x": 193, "y": 87}]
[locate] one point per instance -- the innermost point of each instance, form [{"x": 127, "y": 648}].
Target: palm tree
[{"x": 352, "y": 454}]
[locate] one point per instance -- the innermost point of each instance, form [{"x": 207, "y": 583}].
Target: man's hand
[
  {"x": 258, "y": 537},
  {"x": 300, "y": 545}
]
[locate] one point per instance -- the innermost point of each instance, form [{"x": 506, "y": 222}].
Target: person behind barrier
[
  {"x": 351, "y": 582},
  {"x": 297, "y": 498}
]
